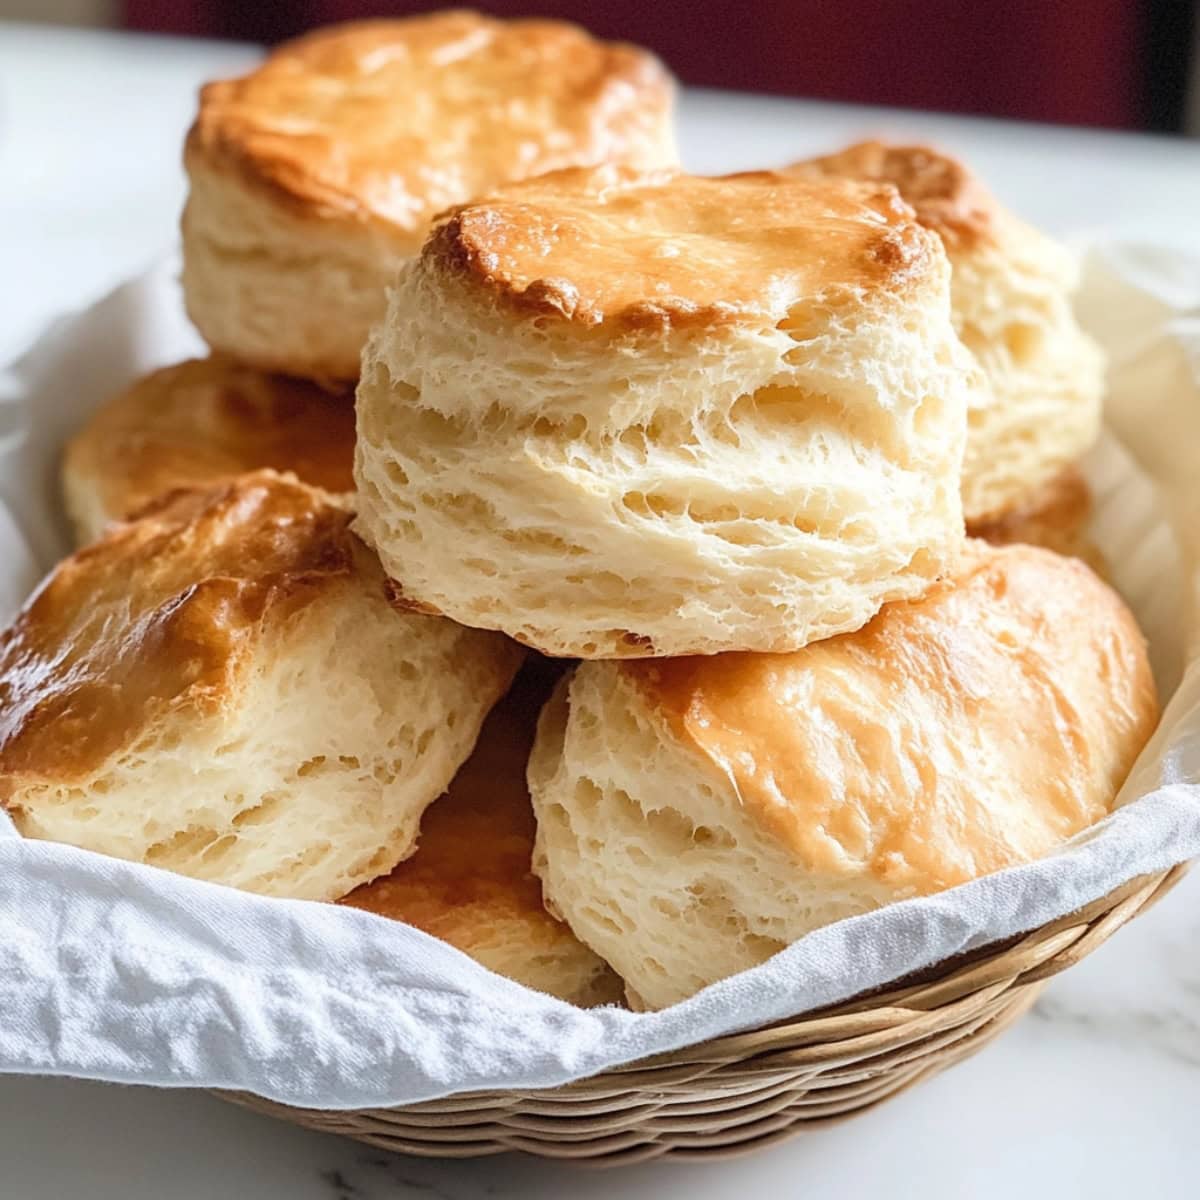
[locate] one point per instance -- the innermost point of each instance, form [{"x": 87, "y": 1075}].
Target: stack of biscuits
[{"x": 614, "y": 572}]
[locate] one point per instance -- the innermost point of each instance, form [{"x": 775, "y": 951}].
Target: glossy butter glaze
[
  {"x": 159, "y": 614},
  {"x": 954, "y": 735},
  {"x": 947, "y": 197},
  {"x": 612, "y": 245},
  {"x": 201, "y": 421},
  {"x": 396, "y": 119}
]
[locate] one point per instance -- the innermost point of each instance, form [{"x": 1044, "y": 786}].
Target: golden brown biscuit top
[
  {"x": 198, "y": 422},
  {"x": 159, "y": 615},
  {"x": 947, "y": 197},
  {"x": 471, "y": 873},
  {"x": 649, "y": 249},
  {"x": 954, "y": 735},
  {"x": 398, "y": 119}
]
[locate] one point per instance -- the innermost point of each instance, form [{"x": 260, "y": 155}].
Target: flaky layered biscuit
[
  {"x": 315, "y": 175},
  {"x": 621, "y": 414},
  {"x": 221, "y": 689},
  {"x": 1011, "y": 293},
  {"x": 199, "y": 422},
  {"x": 697, "y": 815},
  {"x": 470, "y": 881}
]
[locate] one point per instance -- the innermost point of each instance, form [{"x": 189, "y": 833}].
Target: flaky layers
[
  {"x": 1011, "y": 292},
  {"x": 470, "y": 882},
  {"x": 221, "y": 689},
  {"x": 315, "y": 175},
  {"x": 619, "y": 414},
  {"x": 195, "y": 424},
  {"x": 697, "y": 815}
]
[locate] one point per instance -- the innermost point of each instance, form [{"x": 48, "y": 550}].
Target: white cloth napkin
[{"x": 114, "y": 971}]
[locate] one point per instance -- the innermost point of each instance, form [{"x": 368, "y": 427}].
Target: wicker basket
[{"x": 749, "y": 1090}]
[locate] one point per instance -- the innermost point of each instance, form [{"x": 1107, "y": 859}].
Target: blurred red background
[{"x": 1117, "y": 63}]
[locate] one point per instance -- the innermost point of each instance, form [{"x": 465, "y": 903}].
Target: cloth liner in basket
[{"x": 115, "y": 971}]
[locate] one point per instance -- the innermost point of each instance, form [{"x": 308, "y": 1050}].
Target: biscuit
[
  {"x": 470, "y": 882},
  {"x": 624, "y": 414},
  {"x": 1011, "y": 290},
  {"x": 221, "y": 689},
  {"x": 199, "y": 422},
  {"x": 316, "y": 175},
  {"x": 1056, "y": 516},
  {"x": 697, "y": 815}
]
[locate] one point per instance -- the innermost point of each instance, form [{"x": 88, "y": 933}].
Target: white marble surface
[{"x": 1093, "y": 1095}]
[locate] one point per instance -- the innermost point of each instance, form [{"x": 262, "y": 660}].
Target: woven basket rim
[
  {"x": 740, "y": 1093},
  {"x": 881, "y": 1021}
]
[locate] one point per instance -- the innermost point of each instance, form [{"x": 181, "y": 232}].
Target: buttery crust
[
  {"x": 946, "y": 196},
  {"x": 960, "y": 644},
  {"x": 696, "y": 815},
  {"x": 1011, "y": 297},
  {"x": 199, "y": 422},
  {"x": 219, "y": 688},
  {"x": 315, "y": 177},
  {"x": 76, "y": 686},
  {"x": 628, "y": 414},
  {"x": 393, "y": 120},
  {"x": 470, "y": 881},
  {"x": 632, "y": 249}
]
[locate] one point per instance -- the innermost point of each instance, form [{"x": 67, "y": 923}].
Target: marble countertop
[{"x": 1095, "y": 1093}]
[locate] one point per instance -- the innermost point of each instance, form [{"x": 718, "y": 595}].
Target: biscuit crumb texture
[
  {"x": 756, "y": 485},
  {"x": 697, "y": 815},
  {"x": 221, "y": 689}
]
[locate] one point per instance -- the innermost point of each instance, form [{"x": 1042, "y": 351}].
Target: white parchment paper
[{"x": 115, "y": 971}]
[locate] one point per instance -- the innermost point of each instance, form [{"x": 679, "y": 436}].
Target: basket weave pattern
[{"x": 740, "y": 1093}]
